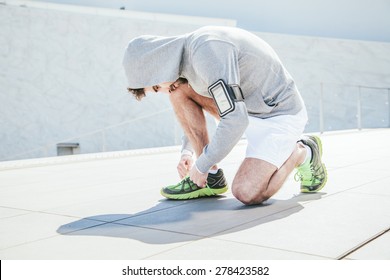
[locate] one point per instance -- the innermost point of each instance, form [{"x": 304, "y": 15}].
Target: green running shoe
[
  {"x": 186, "y": 189},
  {"x": 312, "y": 174}
]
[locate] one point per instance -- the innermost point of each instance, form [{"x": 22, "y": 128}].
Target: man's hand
[
  {"x": 198, "y": 178},
  {"x": 184, "y": 165}
]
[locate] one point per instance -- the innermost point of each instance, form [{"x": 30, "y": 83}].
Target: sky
[{"x": 346, "y": 19}]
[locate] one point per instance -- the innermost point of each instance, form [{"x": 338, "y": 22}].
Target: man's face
[{"x": 166, "y": 87}]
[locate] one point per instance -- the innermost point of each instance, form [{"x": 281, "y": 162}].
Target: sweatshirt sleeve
[
  {"x": 228, "y": 133},
  {"x": 186, "y": 147},
  {"x": 215, "y": 60}
]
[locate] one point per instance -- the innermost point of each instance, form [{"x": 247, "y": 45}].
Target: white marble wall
[
  {"x": 61, "y": 79},
  {"x": 339, "y": 67}
]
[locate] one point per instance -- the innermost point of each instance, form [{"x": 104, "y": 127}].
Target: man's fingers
[{"x": 183, "y": 170}]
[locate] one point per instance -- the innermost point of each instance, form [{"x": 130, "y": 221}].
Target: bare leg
[{"x": 258, "y": 180}]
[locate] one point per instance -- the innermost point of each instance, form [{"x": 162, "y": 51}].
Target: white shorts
[{"x": 274, "y": 139}]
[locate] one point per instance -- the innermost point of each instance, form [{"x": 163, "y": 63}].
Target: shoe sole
[
  {"x": 319, "y": 143},
  {"x": 204, "y": 192}
]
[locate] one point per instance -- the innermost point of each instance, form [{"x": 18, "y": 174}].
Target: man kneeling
[{"x": 239, "y": 79}]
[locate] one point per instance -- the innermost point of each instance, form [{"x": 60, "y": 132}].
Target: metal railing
[
  {"x": 98, "y": 133},
  {"x": 359, "y": 101},
  {"x": 323, "y": 94}
]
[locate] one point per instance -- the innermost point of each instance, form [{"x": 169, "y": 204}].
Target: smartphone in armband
[{"x": 222, "y": 98}]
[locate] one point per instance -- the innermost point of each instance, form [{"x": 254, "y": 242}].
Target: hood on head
[{"x": 151, "y": 60}]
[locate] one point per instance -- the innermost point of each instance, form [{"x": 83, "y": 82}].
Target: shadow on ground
[{"x": 180, "y": 221}]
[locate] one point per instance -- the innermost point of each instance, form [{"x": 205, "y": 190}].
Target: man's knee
[{"x": 250, "y": 195}]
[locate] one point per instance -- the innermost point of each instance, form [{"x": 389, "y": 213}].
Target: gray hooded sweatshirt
[{"x": 207, "y": 55}]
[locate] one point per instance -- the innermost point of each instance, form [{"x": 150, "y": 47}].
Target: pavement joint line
[
  {"x": 135, "y": 215},
  {"x": 256, "y": 219},
  {"x": 361, "y": 245},
  {"x": 29, "y": 242},
  {"x": 355, "y": 187},
  {"x": 174, "y": 248},
  {"x": 360, "y": 163},
  {"x": 269, "y": 247},
  {"x": 49, "y": 237}
]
